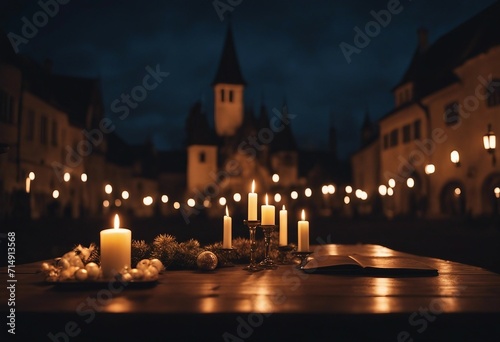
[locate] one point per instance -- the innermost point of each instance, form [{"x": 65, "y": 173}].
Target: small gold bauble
[{"x": 206, "y": 261}]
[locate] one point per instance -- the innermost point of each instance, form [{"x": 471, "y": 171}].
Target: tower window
[
  {"x": 494, "y": 95},
  {"x": 202, "y": 157},
  {"x": 222, "y": 95},
  {"x": 230, "y": 96},
  {"x": 451, "y": 114}
]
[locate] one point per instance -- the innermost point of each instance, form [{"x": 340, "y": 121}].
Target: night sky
[{"x": 287, "y": 49}]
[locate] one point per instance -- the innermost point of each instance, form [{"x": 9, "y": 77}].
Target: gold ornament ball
[{"x": 206, "y": 261}]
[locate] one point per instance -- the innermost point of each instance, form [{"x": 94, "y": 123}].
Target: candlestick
[
  {"x": 226, "y": 243},
  {"x": 115, "y": 249},
  {"x": 252, "y": 204},
  {"x": 303, "y": 234},
  {"x": 252, "y": 227},
  {"x": 267, "y": 214},
  {"x": 283, "y": 227}
]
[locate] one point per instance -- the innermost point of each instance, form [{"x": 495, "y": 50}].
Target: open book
[{"x": 369, "y": 265}]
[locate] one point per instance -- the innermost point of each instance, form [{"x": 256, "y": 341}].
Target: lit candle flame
[
  {"x": 303, "y": 215},
  {"x": 227, "y": 211},
  {"x": 284, "y": 207},
  {"x": 266, "y": 200},
  {"x": 253, "y": 186},
  {"x": 117, "y": 221}
]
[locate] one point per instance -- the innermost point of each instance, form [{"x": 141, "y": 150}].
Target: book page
[
  {"x": 334, "y": 261},
  {"x": 390, "y": 263}
]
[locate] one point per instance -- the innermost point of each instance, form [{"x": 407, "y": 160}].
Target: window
[
  {"x": 394, "y": 137},
  {"x": 494, "y": 93},
  {"x": 44, "y": 123},
  {"x": 222, "y": 95},
  {"x": 406, "y": 133},
  {"x": 54, "y": 133},
  {"x": 386, "y": 141},
  {"x": 6, "y": 108},
  {"x": 230, "y": 96},
  {"x": 417, "y": 126},
  {"x": 202, "y": 157},
  {"x": 30, "y": 125},
  {"x": 451, "y": 114}
]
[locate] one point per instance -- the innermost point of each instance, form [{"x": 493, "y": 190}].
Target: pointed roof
[
  {"x": 198, "y": 130},
  {"x": 229, "y": 70},
  {"x": 433, "y": 68}
]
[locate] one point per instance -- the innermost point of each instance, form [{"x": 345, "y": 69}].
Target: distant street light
[
  {"x": 382, "y": 190},
  {"x": 455, "y": 158},
  {"x": 430, "y": 169}
]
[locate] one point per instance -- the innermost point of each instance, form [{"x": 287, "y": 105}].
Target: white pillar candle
[
  {"x": 226, "y": 243},
  {"x": 283, "y": 227},
  {"x": 252, "y": 204},
  {"x": 303, "y": 234},
  {"x": 267, "y": 214},
  {"x": 116, "y": 249}
]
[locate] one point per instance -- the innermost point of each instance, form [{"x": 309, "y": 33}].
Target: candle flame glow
[
  {"x": 117, "y": 221},
  {"x": 303, "y": 215},
  {"x": 253, "y": 186},
  {"x": 266, "y": 200},
  {"x": 284, "y": 207},
  {"x": 227, "y": 211}
]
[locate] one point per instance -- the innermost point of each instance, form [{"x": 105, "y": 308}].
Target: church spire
[{"x": 229, "y": 70}]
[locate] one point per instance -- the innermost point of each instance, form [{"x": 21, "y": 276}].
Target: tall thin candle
[
  {"x": 303, "y": 234},
  {"x": 252, "y": 204},
  {"x": 283, "y": 227},
  {"x": 226, "y": 243}
]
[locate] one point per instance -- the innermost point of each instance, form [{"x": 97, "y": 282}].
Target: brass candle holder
[
  {"x": 252, "y": 227},
  {"x": 268, "y": 262},
  {"x": 303, "y": 256}
]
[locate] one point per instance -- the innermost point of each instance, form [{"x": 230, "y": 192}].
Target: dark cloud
[{"x": 286, "y": 49}]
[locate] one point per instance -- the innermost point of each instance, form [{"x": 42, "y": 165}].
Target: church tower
[{"x": 228, "y": 86}]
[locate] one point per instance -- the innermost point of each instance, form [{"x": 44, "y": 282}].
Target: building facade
[{"x": 430, "y": 149}]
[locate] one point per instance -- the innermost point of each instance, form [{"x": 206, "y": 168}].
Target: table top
[{"x": 280, "y": 303}]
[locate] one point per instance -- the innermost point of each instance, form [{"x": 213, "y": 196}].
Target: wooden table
[{"x": 462, "y": 303}]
